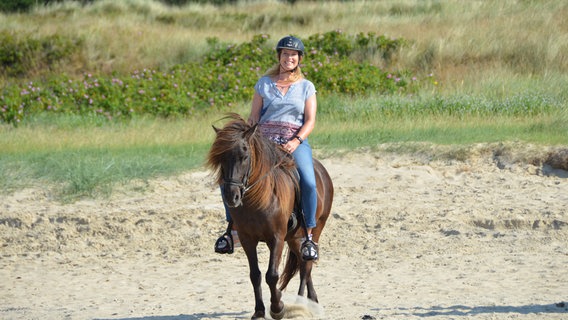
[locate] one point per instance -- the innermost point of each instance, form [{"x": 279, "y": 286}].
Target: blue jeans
[{"x": 304, "y": 162}]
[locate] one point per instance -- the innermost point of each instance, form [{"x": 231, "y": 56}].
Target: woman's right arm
[{"x": 255, "y": 109}]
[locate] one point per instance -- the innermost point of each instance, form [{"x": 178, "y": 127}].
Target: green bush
[
  {"x": 26, "y": 55},
  {"x": 224, "y": 77},
  {"x": 185, "y": 2},
  {"x": 10, "y": 6},
  {"x": 16, "y": 5}
]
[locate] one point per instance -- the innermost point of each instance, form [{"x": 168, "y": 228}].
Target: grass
[
  {"x": 450, "y": 121},
  {"x": 500, "y": 66},
  {"x": 82, "y": 157},
  {"x": 444, "y": 130},
  {"x": 60, "y": 133},
  {"x": 86, "y": 157},
  {"x": 94, "y": 172}
]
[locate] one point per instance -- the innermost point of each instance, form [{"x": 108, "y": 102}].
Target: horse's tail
[{"x": 290, "y": 269}]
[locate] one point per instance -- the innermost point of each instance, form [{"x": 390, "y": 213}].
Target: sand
[{"x": 409, "y": 238}]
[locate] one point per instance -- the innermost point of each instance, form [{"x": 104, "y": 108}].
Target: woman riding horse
[{"x": 284, "y": 106}]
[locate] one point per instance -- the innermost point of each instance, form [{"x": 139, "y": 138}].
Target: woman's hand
[{"x": 291, "y": 145}]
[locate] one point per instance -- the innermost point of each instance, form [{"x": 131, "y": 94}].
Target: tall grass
[
  {"x": 82, "y": 157},
  {"x": 459, "y": 119},
  {"x": 89, "y": 157},
  {"x": 465, "y": 43}
]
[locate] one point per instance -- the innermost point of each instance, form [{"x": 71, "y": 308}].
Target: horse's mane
[{"x": 269, "y": 164}]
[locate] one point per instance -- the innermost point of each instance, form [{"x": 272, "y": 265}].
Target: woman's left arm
[
  {"x": 310, "y": 109},
  {"x": 309, "y": 117}
]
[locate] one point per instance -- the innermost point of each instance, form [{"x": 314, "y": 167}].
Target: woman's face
[{"x": 289, "y": 59}]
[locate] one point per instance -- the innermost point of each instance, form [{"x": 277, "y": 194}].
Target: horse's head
[{"x": 231, "y": 156}]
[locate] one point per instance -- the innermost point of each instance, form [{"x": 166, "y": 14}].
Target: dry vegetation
[{"x": 469, "y": 45}]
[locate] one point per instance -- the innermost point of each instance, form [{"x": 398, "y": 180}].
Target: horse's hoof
[
  {"x": 279, "y": 315},
  {"x": 259, "y": 315}
]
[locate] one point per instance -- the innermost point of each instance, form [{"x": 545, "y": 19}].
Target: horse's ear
[{"x": 251, "y": 131}]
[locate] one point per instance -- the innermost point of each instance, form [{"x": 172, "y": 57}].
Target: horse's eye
[{"x": 245, "y": 153}]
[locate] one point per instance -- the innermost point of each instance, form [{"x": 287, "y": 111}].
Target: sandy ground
[{"x": 409, "y": 238}]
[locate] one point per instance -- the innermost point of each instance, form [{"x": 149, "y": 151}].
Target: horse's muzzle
[{"x": 233, "y": 195}]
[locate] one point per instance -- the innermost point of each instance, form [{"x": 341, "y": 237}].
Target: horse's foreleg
[
  {"x": 276, "y": 304},
  {"x": 255, "y": 279}
]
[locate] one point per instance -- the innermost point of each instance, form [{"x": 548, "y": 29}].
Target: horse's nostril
[{"x": 232, "y": 196}]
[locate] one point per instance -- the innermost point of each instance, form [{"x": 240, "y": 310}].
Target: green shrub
[
  {"x": 10, "y": 6},
  {"x": 185, "y": 2},
  {"x": 16, "y": 5},
  {"x": 25, "y": 55},
  {"x": 225, "y": 77}
]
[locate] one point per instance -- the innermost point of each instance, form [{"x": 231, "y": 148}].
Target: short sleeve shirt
[{"x": 282, "y": 116}]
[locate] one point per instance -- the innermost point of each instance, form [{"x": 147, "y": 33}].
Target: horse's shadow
[
  {"x": 196, "y": 316},
  {"x": 461, "y": 310}
]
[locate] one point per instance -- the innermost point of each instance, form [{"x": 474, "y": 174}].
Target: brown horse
[{"x": 259, "y": 189}]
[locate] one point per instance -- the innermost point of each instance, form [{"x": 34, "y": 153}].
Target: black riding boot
[{"x": 225, "y": 243}]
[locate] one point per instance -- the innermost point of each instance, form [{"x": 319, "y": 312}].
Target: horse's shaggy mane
[{"x": 271, "y": 167}]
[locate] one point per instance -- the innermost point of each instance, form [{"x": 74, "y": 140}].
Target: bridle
[{"x": 244, "y": 185}]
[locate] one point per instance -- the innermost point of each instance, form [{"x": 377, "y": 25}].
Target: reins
[
  {"x": 244, "y": 184},
  {"x": 261, "y": 177}
]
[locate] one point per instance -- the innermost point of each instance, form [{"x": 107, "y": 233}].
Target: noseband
[{"x": 242, "y": 185}]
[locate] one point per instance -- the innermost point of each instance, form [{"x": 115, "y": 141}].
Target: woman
[{"x": 284, "y": 106}]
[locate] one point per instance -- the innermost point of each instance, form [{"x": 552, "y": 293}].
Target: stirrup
[
  {"x": 309, "y": 250},
  {"x": 224, "y": 245}
]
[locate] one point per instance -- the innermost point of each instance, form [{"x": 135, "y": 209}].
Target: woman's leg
[
  {"x": 304, "y": 163},
  {"x": 229, "y": 240}
]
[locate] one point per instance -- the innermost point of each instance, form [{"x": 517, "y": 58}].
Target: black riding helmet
[{"x": 292, "y": 43}]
